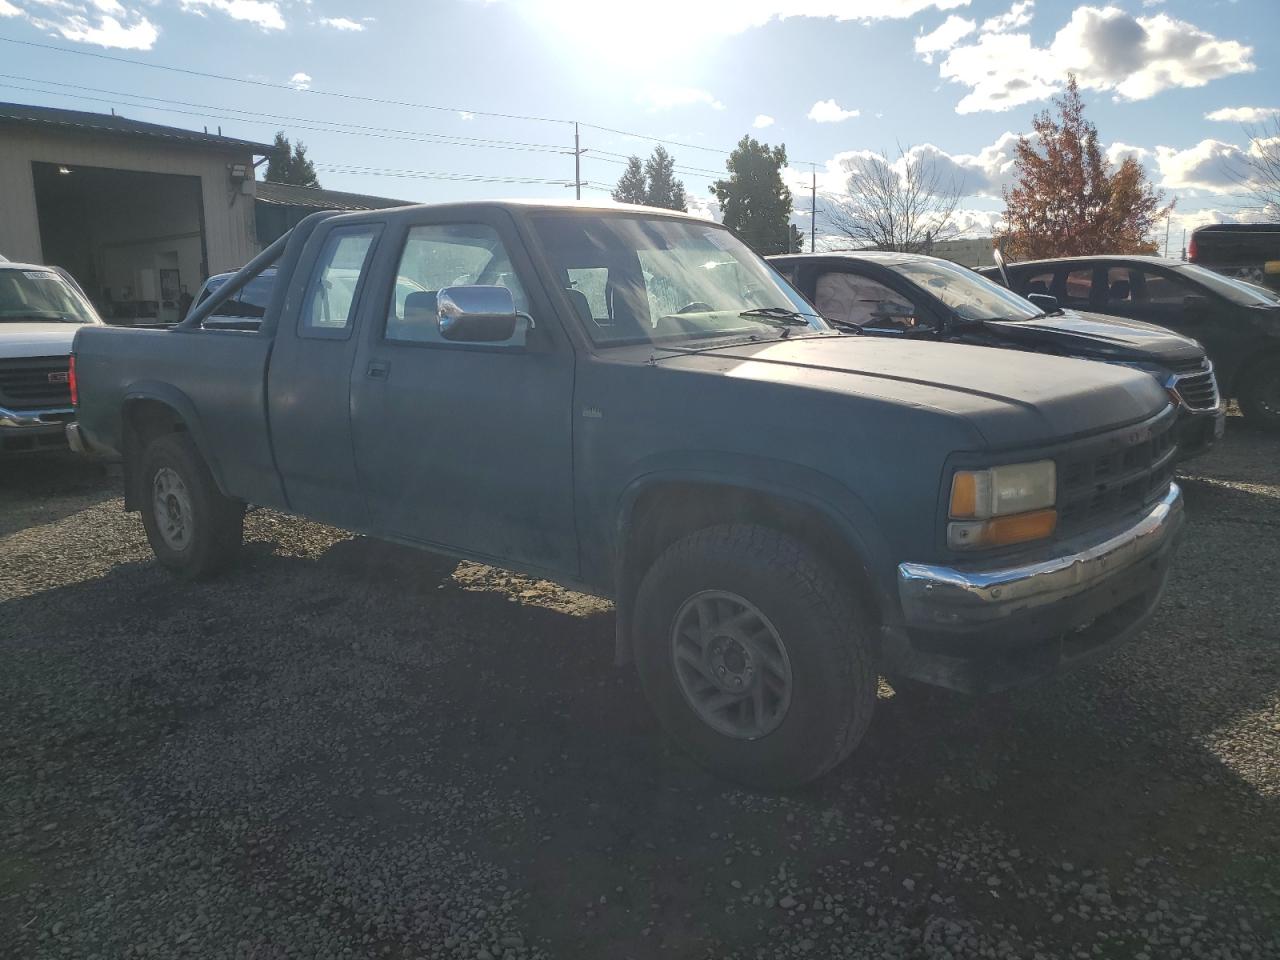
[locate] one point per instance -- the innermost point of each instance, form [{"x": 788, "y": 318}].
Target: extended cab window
[
  {"x": 446, "y": 255},
  {"x": 328, "y": 308}
]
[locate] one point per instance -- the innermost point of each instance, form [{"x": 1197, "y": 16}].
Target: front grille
[
  {"x": 1199, "y": 390},
  {"x": 1118, "y": 473},
  {"x": 32, "y": 383}
]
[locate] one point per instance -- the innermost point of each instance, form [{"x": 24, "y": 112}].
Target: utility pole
[
  {"x": 813, "y": 210},
  {"x": 577, "y": 163},
  {"x": 1167, "y": 218}
]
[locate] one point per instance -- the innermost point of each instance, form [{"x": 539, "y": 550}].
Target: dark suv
[
  {"x": 1237, "y": 322},
  {"x": 909, "y": 295}
]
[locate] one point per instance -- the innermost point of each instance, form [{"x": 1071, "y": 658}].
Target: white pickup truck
[{"x": 41, "y": 308}]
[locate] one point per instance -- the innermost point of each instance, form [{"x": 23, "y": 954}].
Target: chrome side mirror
[{"x": 478, "y": 314}]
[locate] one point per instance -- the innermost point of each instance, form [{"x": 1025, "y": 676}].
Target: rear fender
[{"x": 185, "y": 418}]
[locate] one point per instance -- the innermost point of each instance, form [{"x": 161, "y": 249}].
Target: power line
[
  {"x": 272, "y": 119},
  {"x": 361, "y": 98},
  {"x": 279, "y": 86}
]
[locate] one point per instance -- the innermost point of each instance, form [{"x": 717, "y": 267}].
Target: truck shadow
[
  {"x": 42, "y": 488},
  {"x": 372, "y": 664}
]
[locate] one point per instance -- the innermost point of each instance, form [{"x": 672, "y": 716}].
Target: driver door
[{"x": 466, "y": 446}]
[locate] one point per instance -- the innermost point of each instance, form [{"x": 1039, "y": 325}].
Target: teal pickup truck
[{"x": 631, "y": 403}]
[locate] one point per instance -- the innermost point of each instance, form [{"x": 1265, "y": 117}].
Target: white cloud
[
  {"x": 828, "y": 111},
  {"x": 947, "y": 35},
  {"x": 261, "y": 13},
  {"x": 103, "y": 23},
  {"x": 1210, "y": 165},
  {"x": 343, "y": 23},
  {"x": 1106, "y": 48},
  {"x": 1019, "y": 15},
  {"x": 1244, "y": 114},
  {"x": 762, "y": 120},
  {"x": 657, "y": 97},
  {"x": 1119, "y": 152},
  {"x": 300, "y": 81}
]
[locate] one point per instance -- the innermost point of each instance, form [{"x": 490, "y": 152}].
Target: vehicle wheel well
[
  {"x": 671, "y": 511},
  {"x": 144, "y": 420}
]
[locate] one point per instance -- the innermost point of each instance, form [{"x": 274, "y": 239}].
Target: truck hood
[
  {"x": 1097, "y": 337},
  {"x": 19, "y": 340},
  {"x": 1011, "y": 400}
]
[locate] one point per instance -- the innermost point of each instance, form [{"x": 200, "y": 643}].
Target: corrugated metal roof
[
  {"x": 291, "y": 195},
  {"x": 110, "y": 124}
]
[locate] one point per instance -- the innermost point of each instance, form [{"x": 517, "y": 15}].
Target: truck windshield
[
  {"x": 40, "y": 295},
  {"x": 970, "y": 295},
  {"x": 641, "y": 279}
]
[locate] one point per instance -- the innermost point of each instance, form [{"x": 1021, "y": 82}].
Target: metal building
[{"x": 139, "y": 213}]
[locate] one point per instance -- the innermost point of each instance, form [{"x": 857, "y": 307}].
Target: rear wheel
[
  {"x": 1259, "y": 396},
  {"x": 754, "y": 656},
  {"x": 193, "y": 529}
]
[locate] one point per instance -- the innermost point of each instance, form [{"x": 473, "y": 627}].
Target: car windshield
[
  {"x": 35, "y": 294},
  {"x": 1237, "y": 291},
  {"x": 970, "y": 295},
  {"x": 641, "y": 279}
]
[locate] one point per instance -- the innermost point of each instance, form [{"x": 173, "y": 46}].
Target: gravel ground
[{"x": 347, "y": 749}]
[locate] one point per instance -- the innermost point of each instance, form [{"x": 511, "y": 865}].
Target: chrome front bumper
[
  {"x": 54, "y": 417},
  {"x": 942, "y": 597}
]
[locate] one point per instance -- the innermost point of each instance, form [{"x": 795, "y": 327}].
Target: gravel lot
[{"x": 347, "y": 749}]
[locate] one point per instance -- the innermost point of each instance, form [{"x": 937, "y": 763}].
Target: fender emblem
[{"x": 592, "y": 413}]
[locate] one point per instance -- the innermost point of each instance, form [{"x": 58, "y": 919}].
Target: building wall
[{"x": 230, "y": 237}]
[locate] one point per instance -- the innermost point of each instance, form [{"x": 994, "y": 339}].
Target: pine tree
[
  {"x": 631, "y": 185},
  {"x": 755, "y": 201},
  {"x": 664, "y": 190},
  {"x": 289, "y": 164},
  {"x": 1067, "y": 200}
]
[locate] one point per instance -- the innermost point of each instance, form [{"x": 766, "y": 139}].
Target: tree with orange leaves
[{"x": 1068, "y": 200}]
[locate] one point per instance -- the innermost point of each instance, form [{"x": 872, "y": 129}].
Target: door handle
[{"x": 378, "y": 370}]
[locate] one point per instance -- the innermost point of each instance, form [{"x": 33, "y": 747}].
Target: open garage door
[{"x": 135, "y": 241}]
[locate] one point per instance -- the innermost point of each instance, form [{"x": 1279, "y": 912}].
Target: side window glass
[
  {"x": 1036, "y": 283},
  {"x": 1078, "y": 287},
  {"x": 1120, "y": 286},
  {"x": 446, "y": 255},
  {"x": 328, "y": 309},
  {"x": 1165, "y": 290},
  {"x": 861, "y": 300}
]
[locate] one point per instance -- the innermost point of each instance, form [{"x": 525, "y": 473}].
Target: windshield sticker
[{"x": 39, "y": 275}]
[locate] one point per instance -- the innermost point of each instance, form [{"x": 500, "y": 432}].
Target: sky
[{"x": 432, "y": 100}]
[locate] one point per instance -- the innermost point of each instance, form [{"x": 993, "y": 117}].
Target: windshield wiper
[
  {"x": 56, "y": 318},
  {"x": 779, "y": 317}
]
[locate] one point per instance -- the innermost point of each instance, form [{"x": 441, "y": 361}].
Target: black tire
[
  {"x": 826, "y": 637},
  {"x": 1259, "y": 396},
  {"x": 212, "y": 524}
]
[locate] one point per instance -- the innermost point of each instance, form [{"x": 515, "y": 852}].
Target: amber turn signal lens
[
  {"x": 1002, "y": 531},
  {"x": 964, "y": 494}
]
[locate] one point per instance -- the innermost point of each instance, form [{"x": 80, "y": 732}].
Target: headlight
[{"x": 1003, "y": 505}]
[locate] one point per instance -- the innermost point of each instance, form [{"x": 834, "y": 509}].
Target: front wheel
[
  {"x": 754, "y": 656},
  {"x": 193, "y": 529},
  {"x": 1260, "y": 396}
]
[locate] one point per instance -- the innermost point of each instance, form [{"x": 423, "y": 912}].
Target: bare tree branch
[
  {"x": 1262, "y": 160},
  {"x": 906, "y": 205}
]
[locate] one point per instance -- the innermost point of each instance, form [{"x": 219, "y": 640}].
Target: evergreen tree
[
  {"x": 663, "y": 189},
  {"x": 631, "y": 185},
  {"x": 755, "y": 201},
  {"x": 289, "y": 164}
]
